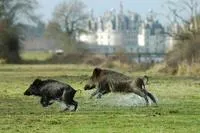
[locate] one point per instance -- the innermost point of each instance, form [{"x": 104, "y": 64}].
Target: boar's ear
[
  {"x": 97, "y": 72},
  {"x": 37, "y": 82}
]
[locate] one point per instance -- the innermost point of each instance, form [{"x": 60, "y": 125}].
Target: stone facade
[{"x": 127, "y": 30}]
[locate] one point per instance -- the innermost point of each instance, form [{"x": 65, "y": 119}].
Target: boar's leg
[
  {"x": 68, "y": 98},
  {"x": 142, "y": 94},
  {"x": 94, "y": 93},
  {"x": 151, "y": 96},
  {"x": 104, "y": 88},
  {"x": 67, "y": 108},
  {"x": 75, "y": 105},
  {"x": 101, "y": 93},
  {"x": 45, "y": 101}
]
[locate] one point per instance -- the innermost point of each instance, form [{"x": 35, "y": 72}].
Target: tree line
[
  {"x": 18, "y": 21},
  {"x": 14, "y": 15},
  {"x": 185, "y": 16},
  {"x": 70, "y": 18}
]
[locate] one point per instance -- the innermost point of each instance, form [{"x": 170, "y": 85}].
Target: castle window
[
  {"x": 90, "y": 25},
  {"x": 131, "y": 49}
]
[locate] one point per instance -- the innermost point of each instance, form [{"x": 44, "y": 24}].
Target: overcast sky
[{"x": 140, "y": 6}]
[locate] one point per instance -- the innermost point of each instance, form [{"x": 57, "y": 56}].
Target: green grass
[
  {"x": 35, "y": 55},
  {"x": 178, "y": 110}
]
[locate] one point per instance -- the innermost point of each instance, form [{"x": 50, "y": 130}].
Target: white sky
[{"x": 99, "y": 6}]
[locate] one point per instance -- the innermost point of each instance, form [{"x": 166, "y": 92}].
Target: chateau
[{"x": 125, "y": 30}]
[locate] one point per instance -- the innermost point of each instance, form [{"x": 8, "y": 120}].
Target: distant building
[
  {"x": 126, "y": 30},
  {"x": 113, "y": 28},
  {"x": 151, "y": 37}
]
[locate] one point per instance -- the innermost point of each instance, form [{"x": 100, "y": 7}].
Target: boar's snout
[
  {"x": 27, "y": 93},
  {"x": 88, "y": 87}
]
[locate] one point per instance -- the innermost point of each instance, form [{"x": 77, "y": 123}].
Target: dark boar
[
  {"x": 51, "y": 90},
  {"x": 110, "y": 81}
]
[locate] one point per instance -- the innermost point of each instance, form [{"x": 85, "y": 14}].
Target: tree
[
  {"x": 13, "y": 15},
  {"x": 34, "y": 31},
  {"x": 69, "y": 19},
  {"x": 186, "y": 15},
  {"x": 183, "y": 14}
]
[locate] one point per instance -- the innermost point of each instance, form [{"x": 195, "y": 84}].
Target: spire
[
  {"x": 121, "y": 7},
  {"x": 151, "y": 15},
  {"x": 91, "y": 13},
  {"x": 174, "y": 11}
]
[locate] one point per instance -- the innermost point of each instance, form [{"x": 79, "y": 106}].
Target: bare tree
[
  {"x": 185, "y": 16},
  {"x": 71, "y": 16},
  {"x": 183, "y": 13},
  {"x": 69, "y": 20},
  {"x": 14, "y": 14}
]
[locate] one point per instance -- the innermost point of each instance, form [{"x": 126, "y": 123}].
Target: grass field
[
  {"x": 35, "y": 55},
  {"x": 178, "y": 110}
]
